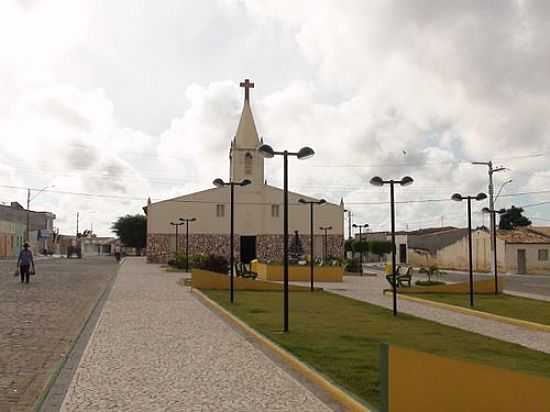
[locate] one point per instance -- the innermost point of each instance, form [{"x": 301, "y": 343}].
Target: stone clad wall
[{"x": 160, "y": 246}]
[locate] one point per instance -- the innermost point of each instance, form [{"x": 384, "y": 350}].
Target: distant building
[
  {"x": 13, "y": 227},
  {"x": 522, "y": 250}
]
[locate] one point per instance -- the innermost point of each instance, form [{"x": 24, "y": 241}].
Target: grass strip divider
[
  {"x": 307, "y": 372},
  {"x": 539, "y": 327}
]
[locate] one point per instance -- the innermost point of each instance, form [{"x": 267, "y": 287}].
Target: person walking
[{"x": 24, "y": 262}]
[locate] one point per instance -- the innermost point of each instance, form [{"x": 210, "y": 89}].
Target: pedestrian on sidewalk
[{"x": 24, "y": 262}]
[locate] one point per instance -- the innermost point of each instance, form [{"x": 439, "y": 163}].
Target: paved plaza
[
  {"x": 369, "y": 289},
  {"x": 157, "y": 348},
  {"x": 41, "y": 320}
]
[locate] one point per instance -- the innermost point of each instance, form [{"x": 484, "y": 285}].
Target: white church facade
[{"x": 258, "y": 231}]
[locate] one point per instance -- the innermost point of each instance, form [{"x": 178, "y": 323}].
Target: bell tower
[{"x": 245, "y": 163}]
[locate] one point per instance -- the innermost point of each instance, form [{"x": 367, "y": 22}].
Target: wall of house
[
  {"x": 455, "y": 255},
  {"x": 534, "y": 265}
]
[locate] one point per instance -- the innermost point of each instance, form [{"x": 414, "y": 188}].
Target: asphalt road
[
  {"x": 40, "y": 321},
  {"x": 536, "y": 284}
]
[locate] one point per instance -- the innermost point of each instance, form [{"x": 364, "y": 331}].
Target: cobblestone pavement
[
  {"x": 157, "y": 348},
  {"x": 369, "y": 289},
  {"x": 40, "y": 321}
]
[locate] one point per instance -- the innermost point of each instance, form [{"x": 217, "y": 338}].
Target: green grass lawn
[
  {"x": 340, "y": 337},
  {"x": 505, "y": 305}
]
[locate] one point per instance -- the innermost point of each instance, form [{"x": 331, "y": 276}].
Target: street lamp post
[
  {"x": 176, "y": 226},
  {"x": 326, "y": 229},
  {"x": 349, "y": 222},
  {"x": 267, "y": 151},
  {"x": 220, "y": 183},
  {"x": 366, "y": 225},
  {"x": 459, "y": 198},
  {"x": 406, "y": 181},
  {"x": 311, "y": 203},
  {"x": 186, "y": 222},
  {"x": 493, "y": 213}
]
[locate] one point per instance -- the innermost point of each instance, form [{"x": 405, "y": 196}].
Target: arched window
[{"x": 247, "y": 164}]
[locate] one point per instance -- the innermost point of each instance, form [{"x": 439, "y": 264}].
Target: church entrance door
[{"x": 248, "y": 248}]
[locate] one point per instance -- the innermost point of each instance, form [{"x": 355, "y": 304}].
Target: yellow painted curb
[
  {"x": 335, "y": 392},
  {"x": 539, "y": 327}
]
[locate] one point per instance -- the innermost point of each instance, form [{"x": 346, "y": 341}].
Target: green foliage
[
  {"x": 348, "y": 245},
  {"x": 513, "y": 218},
  {"x": 360, "y": 246},
  {"x": 380, "y": 247},
  {"x": 214, "y": 263},
  {"x": 132, "y": 230},
  {"x": 295, "y": 249},
  {"x": 180, "y": 261}
]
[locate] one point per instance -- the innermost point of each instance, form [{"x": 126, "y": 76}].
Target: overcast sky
[{"x": 129, "y": 99}]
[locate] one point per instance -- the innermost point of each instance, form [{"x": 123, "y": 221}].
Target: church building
[{"x": 258, "y": 231}]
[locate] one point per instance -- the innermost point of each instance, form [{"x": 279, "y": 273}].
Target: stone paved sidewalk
[
  {"x": 369, "y": 289},
  {"x": 157, "y": 348}
]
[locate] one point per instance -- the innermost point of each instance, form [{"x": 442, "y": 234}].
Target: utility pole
[
  {"x": 77, "y": 217},
  {"x": 28, "y": 232},
  {"x": 491, "y": 191},
  {"x": 349, "y": 222}
]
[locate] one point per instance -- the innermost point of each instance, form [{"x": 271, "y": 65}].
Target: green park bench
[{"x": 403, "y": 275}]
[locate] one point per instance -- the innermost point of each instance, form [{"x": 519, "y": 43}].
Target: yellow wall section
[
  {"x": 480, "y": 287},
  {"x": 203, "y": 279},
  {"x": 424, "y": 382},
  {"x": 298, "y": 273}
]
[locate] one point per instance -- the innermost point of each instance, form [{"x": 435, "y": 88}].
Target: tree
[
  {"x": 513, "y": 218},
  {"x": 295, "y": 249},
  {"x": 380, "y": 247},
  {"x": 132, "y": 230}
]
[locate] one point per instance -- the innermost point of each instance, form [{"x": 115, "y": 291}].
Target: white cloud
[{"x": 134, "y": 99}]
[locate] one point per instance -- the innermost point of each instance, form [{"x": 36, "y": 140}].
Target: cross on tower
[{"x": 247, "y": 84}]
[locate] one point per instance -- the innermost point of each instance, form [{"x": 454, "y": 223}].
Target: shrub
[
  {"x": 214, "y": 263},
  {"x": 180, "y": 261}
]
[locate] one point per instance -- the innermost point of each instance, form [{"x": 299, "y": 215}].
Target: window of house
[
  {"x": 248, "y": 164},
  {"x": 274, "y": 210},
  {"x": 220, "y": 210},
  {"x": 543, "y": 254}
]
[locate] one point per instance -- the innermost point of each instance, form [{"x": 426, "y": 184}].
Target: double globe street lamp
[
  {"x": 186, "y": 222},
  {"x": 220, "y": 183},
  {"x": 267, "y": 151},
  {"x": 365, "y": 226},
  {"x": 457, "y": 197},
  {"x": 406, "y": 181},
  {"x": 311, "y": 203},
  {"x": 176, "y": 226}
]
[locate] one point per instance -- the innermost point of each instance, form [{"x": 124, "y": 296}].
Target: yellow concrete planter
[
  {"x": 203, "y": 279},
  {"x": 444, "y": 384},
  {"x": 298, "y": 273}
]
